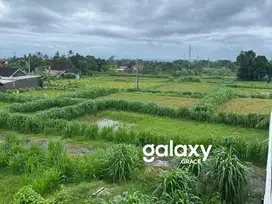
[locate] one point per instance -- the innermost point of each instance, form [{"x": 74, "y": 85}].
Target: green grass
[
  {"x": 188, "y": 86},
  {"x": 169, "y": 126},
  {"x": 159, "y": 99},
  {"x": 247, "y": 105},
  {"x": 80, "y": 193},
  {"x": 45, "y": 93},
  {"x": 8, "y": 186}
]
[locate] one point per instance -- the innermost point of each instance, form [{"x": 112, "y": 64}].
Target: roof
[
  {"x": 7, "y": 72},
  {"x": 63, "y": 65},
  {"x": 5, "y": 80},
  {"x": 56, "y": 72}
]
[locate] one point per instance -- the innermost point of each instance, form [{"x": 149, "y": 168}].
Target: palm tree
[{"x": 70, "y": 53}]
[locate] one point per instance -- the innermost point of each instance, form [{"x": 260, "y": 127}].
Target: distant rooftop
[{"x": 4, "y": 80}]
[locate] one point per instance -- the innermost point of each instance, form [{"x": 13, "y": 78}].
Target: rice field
[
  {"x": 252, "y": 90},
  {"x": 45, "y": 93},
  {"x": 108, "y": 81},
  {"x": 169, "y": 127},
  {"x": 160, "y": 99},
  {"x": 247, "y": 105},
  {"x": 188, "y": 86},
  {"x": 113, "y": 161}
]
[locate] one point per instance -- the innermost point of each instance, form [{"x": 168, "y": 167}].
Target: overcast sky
[{"x": 147, "y": 29}]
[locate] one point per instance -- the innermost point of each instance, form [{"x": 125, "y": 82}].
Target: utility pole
[
  {"x": 189, "y": 56},
  {"x": 208, "y": 63},
  {"x": 137, "y": 75},
  {"x": 29, "y": 64}
]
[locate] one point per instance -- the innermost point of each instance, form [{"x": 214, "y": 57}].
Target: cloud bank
[{"x": 147, "y": 29}]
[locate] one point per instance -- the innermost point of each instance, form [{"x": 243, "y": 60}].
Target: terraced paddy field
[
  {"x": 247, "y": 105},
  {"x": 172, "y": 127},
  {"x": 84, "y": 146},
  {"x": 188, "y": 86},
  {"x": 160, "y": 99}
]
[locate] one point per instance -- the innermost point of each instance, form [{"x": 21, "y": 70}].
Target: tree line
[
  {"x": 248, "y": 66},
  {"x": 89, "y": 64}
]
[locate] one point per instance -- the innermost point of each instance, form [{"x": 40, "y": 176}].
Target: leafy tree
[
  {"x": 252, "y": 67},
  {"x": 259, "y": 67}
]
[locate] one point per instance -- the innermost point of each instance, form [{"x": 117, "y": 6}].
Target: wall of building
[{"x": 23, "y": 83}]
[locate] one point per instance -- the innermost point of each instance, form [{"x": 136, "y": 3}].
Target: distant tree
[
  {"x": 269, "y": 71},
  {"x": 70, "y": 53},
  {"x": 252, "y": 67},
  {"x": 56, "y": 56},
  {"x": 111, "y": 66},
  {"x": 245, "y": 62},
  {"x": 259, "y": 68}
]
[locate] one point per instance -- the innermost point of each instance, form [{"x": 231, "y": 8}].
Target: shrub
[{"x": 121, "y": 162}]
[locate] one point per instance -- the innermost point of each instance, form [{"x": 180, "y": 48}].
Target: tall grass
[
  {"x": 231, "y": 178},
  {"x": 177, "y": 186},
  {"x": 255, "y": 153},
  {"x": 42, "y": 104},
  {"x": 214, "y": 98},
  {"x": 121, "y": 163},
  {"x": 13, "y": 97}
]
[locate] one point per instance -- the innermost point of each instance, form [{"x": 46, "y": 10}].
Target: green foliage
[
  {"x": 231, "y": 178},
  {"x": 46, "y": 182},
  {"x": 252, "y": 67},
  {"x": 121, "y": 162},
  {"x": 26, "y": 195},
  {"x": 177, "y": 186}
]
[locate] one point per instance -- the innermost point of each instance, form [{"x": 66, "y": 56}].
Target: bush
[{"x": 121, "y": 162}]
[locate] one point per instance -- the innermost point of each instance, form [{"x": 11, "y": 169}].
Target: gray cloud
[{"x": 130, "y": 28}]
